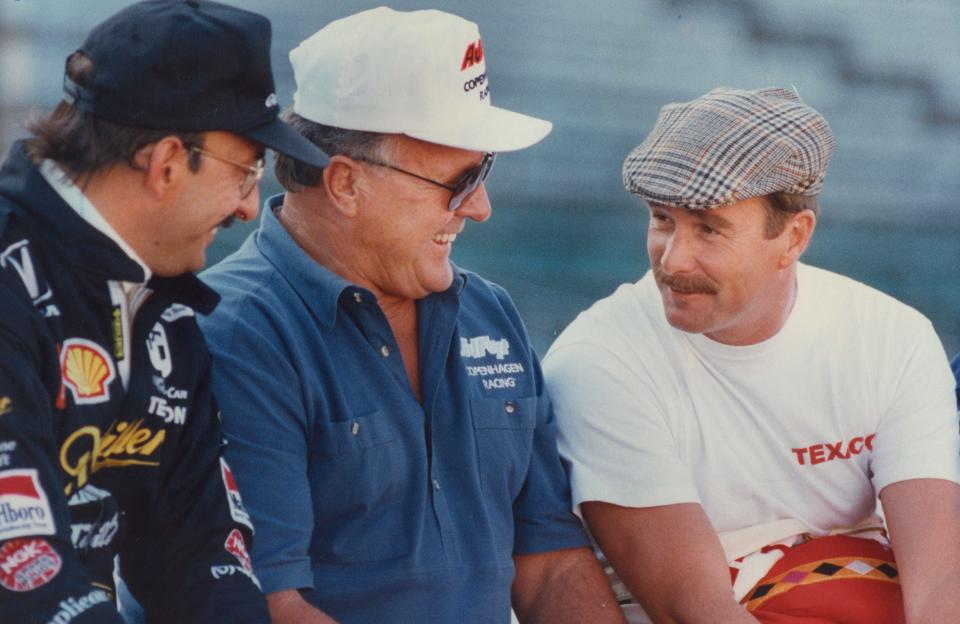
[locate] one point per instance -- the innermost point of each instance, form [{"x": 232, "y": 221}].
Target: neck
[{"x": 767, "y": 315}]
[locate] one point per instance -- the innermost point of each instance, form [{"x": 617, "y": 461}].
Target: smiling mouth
[{"x": 444, "y": 239}]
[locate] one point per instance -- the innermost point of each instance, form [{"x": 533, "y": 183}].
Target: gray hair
[{"x": 357, "y": 144}]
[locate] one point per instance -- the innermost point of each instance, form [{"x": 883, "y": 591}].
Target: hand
[{"x": 288, "y": 607}]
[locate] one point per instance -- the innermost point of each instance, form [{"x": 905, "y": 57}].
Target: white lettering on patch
[
  {"x": 480, "y": 346},
  {"x": 72, "y": 607},
  {"x": 159, "y": 350}
]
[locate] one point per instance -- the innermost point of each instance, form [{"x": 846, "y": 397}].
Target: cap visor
[
  {"x": 495, "y": 130},
  {"x": 280, "y": 137}
]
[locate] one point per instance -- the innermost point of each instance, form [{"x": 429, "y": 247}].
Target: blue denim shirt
[{"x": 391, "y": 509}]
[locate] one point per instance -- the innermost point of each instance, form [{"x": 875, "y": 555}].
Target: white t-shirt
[{"x": 853, "y": 394}]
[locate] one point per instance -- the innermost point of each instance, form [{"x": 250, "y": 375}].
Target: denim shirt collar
[{"x": 320, "y": 289}]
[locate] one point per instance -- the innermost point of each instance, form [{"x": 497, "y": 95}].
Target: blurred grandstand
[{"x": 886, "y": 74}]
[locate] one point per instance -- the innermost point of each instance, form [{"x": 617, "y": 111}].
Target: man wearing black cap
[
  {"x": 734, "y": 415},
  {"x": 109, "y": 436}
]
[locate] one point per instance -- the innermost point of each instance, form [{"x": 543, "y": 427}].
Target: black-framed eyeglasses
[
  {"x": 254, "y": 171},
  {"x": 459, "y": 190}
]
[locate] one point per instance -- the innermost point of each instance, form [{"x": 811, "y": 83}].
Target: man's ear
[
  {"x": 166, "y": 164},
  {"x": 343, "y": 183},
  {"x": 798, "y": 232}
]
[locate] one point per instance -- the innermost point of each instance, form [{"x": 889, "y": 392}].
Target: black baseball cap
[{"x": 189, "y": 65}]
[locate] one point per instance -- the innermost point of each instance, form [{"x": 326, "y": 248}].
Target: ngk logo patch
[
  {"x": 237, "y": 512},
  {"x": 238, "y": 548},
  {"x": 24, "y": 508},
  {"x": 87, "y": 370},
  {"x": 27, "y": 564}
]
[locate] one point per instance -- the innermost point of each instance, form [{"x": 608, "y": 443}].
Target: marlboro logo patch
[{"x": 24, "y": 507}]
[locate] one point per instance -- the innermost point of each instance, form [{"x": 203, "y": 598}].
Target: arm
[
  {"x": 287, "y": 606},
  {"x": 39, "y": 567},
  {"x": 670, "y": 559},
  {"x": 187, "y": 558},
  {"x": 268, "y": 427},
  {"x": 923, "y": 516},
  {"x": 562, "y": 586}
]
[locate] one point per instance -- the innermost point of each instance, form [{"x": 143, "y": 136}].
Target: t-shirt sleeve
[
  {"x": 613, "y": 431},
  {"x": 542, "y": 518},
  {"x": 955, "y": 365},
  {"x": 917, "y": 437},
  {"x": 264, "y": 423}
]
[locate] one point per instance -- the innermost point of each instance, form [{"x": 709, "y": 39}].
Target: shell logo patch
[{"x": 87, "y": 370}]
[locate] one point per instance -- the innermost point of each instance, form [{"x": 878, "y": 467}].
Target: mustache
[
  {"x": 684, "y": 284},
  {"x": 228, "y": 221}
]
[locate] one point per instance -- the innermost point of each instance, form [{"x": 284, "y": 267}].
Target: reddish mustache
[{"x": 684, "y": 284}]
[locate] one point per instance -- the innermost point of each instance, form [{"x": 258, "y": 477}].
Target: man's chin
[{"x": 683, "y": 320}]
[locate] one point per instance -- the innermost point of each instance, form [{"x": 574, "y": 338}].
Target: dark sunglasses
[{"x": 462, "y": 188}]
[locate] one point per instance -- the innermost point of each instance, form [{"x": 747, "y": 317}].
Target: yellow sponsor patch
[{"x": 87, "y": 451}]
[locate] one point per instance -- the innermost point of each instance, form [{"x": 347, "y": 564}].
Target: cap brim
[
  {"x": 280, "y": 137},
  {"x": 494, "y": 130}
]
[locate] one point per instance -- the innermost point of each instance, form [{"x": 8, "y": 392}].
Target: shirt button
[
  {"x": 436, "y": 484},
  {"x": 357, "y": 297},
  {"x": 509, "y": 407},
  {"x": 385, "y": 351},
  {"x": 355, "y": 428}
]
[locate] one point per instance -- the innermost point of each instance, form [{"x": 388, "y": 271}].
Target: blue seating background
[{"x": 886, "y": 74}]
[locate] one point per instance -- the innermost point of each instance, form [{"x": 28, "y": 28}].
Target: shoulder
[
  {"x": 844, "y": 301},
  {"x": 253, "y": 294},
  {"x": 625, "y": 325}
]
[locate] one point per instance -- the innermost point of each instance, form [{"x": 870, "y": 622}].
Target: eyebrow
[{"x": 713, "y": 220}]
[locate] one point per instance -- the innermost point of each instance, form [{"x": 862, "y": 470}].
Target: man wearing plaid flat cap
[
  {"x": 385, "y": 412},
  {"x": 734, "y": 415},
  {"x": 110, "y": 445}
]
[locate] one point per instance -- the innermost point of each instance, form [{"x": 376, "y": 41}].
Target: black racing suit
[{"x": 93, "y": 465}]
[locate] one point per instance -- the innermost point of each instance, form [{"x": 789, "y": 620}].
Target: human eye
[
  {"x": 659, "y": 219},
  {"x": 706, "y": 230}
]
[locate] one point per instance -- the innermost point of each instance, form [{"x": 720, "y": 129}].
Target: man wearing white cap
[
  {"x": 735, "y": 414},
  {"x": 385, "y": 412}
]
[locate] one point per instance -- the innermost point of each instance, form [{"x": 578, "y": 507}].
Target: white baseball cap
[{"x": 418, "y": 73}]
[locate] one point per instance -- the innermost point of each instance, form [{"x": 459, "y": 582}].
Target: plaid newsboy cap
[{"x": 730, "y": 145}]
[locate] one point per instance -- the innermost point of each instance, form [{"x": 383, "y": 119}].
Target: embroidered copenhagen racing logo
[
  {"x": 482, "y": 345},
  {"x": 495, "y": 376},
  {"x": 87, "y": 370},
  {"x": 819, "y": 453},
  {"x": 24, "y": 507},
  {"x": 18, "y": 256},
  {"x": 159, "y": 350}
]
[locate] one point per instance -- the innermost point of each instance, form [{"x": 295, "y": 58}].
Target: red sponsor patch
[
  {"x": 24, "y": 508},
  {"x": 237, "y": 511},
  {"x": 27, "y": 564},
  {"x": 237, "y": 547},
  {"x": 473, "y": 55}
]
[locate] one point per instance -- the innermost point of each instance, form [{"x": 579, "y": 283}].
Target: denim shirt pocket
[
  {"x": 504, "y": 429},
  {"x": 357, "y": 477}
]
